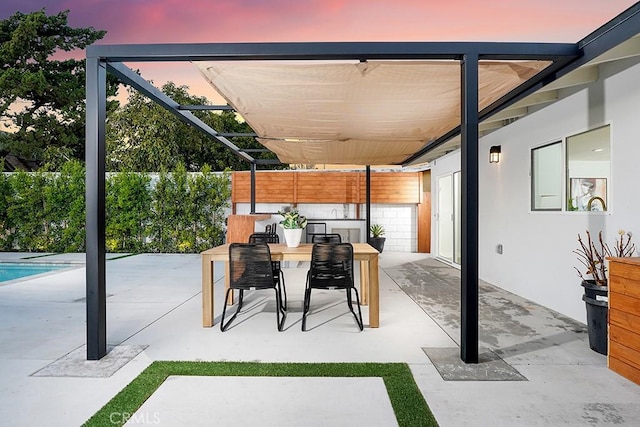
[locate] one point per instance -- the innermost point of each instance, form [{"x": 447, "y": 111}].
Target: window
[
  {"x": 588, "y": 168},
  {"x": 546, "y": 177}
]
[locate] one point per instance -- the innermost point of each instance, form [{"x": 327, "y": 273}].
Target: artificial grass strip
[{"x": 408, "y": 403}]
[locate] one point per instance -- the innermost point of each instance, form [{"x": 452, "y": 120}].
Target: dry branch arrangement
[{"x": 592, "y": 255}]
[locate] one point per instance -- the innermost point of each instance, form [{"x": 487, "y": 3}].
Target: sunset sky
[{"x": 191, "y": 21}]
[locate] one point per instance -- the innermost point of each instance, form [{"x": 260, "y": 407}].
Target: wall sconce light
[{"x": 494, "y": 154}]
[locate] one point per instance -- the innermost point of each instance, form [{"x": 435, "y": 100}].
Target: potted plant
[
  {"x": 376, "y": 240},
  {"x": 592, "y": 255},
  {"x": 292, "y": 223}
]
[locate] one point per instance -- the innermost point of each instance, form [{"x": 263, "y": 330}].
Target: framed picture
[{"x": 588, "y": 194}]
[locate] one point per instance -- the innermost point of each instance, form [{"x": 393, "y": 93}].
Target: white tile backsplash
[{"x": 400, "y": 221}]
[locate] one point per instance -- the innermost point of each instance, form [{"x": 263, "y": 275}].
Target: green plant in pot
[
  {"x": 376, "y": 240},
  {"x": 592, "y": 255},
  {"x": 293, "y": 223}
]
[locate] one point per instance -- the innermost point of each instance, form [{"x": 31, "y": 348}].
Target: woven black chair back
[
  {"x": 250, "y": 266},
  {"x": 326, "y": 238},
  {"x": 331, "y": 265},
  {"x": 264, "y": 238}
]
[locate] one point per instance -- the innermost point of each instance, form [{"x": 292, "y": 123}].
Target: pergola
[{"x": 335, "y": 123}]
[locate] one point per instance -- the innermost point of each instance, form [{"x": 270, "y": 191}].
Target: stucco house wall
[{"x": 537, "y": 260}]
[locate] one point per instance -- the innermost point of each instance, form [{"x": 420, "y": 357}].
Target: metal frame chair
[
  {"x": 326, "y": 238},
  {"x": 250, "y": 269},
  {"x": 331, "y": 268},
  {"x": 278, "y": 275},
  {"x": 314, "y": 228}
]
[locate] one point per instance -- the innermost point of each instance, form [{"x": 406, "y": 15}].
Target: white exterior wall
[{"x": 537, "y": 261}]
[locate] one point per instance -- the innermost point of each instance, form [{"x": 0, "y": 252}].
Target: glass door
[
  {"x": 445, "y": 217},
  {"x": 457, "y": 224},
  {"x": 448, "y": 218}
]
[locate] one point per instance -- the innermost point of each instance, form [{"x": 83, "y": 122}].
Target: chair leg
[
  {"x": 224, "y": 326},
  {"x": 358, "y": 317},
  {"x": 306, "y": 303},
  {"x": 240, "y": 298},
  {"x": 305, "y": 308},
  {"x": 280, "y": 310},
  {"x": 283, "y": 288}
]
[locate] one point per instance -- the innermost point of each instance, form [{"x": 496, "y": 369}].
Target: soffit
[{"x": 374, "y": 112}]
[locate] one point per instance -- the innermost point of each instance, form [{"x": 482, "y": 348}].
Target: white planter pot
[{"x": 293, "y": 236}]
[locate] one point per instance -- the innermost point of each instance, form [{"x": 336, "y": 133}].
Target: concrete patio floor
[{"x": 154, "y": 312}]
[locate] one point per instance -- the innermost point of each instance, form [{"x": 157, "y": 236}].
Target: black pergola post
[
  {"x": 469, "y": 175},
  {"x": 95, "y": 211},
  {"x": 368, "y": 196},
  {"x": 253, "y": 188}
]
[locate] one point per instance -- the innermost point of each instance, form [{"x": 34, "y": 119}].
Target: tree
[
  {"x": 143, "y": 136},
  {"x": 42, "y": 99}
]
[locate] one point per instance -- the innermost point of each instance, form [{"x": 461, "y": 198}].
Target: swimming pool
[{"x": 14, "y": 270}]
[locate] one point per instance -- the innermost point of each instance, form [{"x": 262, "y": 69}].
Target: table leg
[
  {"x": 207, "y": 291},
  {"x": 364, "y": 283},
  {"x": 227, "y": 275},
  {"x": 374, "y": 293}
]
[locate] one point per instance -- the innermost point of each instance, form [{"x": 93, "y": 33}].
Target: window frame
[
  {"x": 565, "y": 182},
  {"x": 532, "y": 182}
]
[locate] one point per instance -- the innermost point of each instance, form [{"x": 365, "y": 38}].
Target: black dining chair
[
  {"x": 326, "y": 238},
  {"x": 278, "y": 275},
  {"x": 250, "y": 269},
  {"x": 331, "y": 268}
]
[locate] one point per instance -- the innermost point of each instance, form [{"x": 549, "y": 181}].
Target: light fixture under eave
[{"x": 494, "y": 154}]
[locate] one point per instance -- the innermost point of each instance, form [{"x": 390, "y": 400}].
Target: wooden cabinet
[
  {"x": 326, "y": 187},
  {"x": 240, "y": 227},
  {"x": 624, "y": 317}
]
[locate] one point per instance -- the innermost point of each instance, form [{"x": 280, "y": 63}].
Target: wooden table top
[{"x": 279, "y": 251}]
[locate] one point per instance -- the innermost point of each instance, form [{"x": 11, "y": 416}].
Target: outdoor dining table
[{"x": 363, "y": 252}]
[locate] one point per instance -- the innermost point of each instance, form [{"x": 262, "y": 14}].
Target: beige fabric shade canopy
[{"x": 374, "y": 112}]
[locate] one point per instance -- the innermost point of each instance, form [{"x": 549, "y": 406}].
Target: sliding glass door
[{"x": 448, "y": 218}]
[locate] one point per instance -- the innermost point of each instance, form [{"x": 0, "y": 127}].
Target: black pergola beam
[
  {"x": 206, "y": 107},
  {"x": 267, "y": 162},
  {"x": 237, "y": 134},
  {"x": 328, "y": 50},
  {"x": 128, "y": 76}
]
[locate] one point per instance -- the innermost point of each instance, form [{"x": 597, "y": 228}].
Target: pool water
[{"x": 12, "y": 271}]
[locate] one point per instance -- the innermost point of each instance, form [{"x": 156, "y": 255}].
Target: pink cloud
[
  {"x": 162, "y": 21},
  {"x": 179, "y": 21}
]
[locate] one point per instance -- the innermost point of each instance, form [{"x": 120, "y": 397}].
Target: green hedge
[{"x": 179, "y": 212}]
